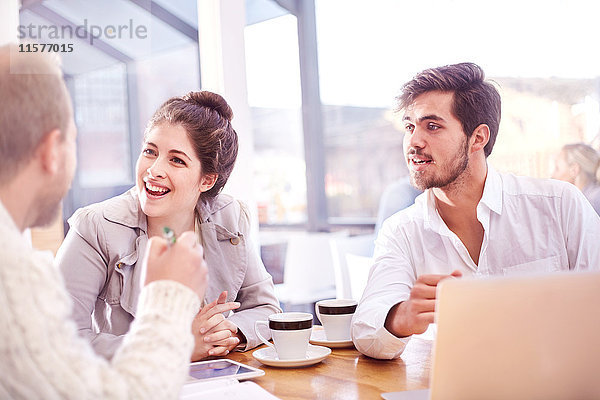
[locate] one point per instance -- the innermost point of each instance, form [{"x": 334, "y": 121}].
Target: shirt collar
[
  {"x": 492, "y": 190},
  {"x": 491, "y": 198}
]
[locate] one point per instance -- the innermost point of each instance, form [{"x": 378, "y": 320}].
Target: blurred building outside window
[
  {"x": 547, "y": 76},
  {"x": 101, "y": 116},
  {"x": 274, "y": 96}
]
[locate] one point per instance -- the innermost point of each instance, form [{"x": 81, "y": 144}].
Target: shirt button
[
  {"x": 119, "y": 265},
  {"x": 234, "y": 240}
]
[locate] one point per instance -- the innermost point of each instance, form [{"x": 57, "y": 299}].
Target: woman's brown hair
[{"x": 206, "y": 117}]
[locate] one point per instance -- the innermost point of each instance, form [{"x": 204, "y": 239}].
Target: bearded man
[{"x": 471, "y": 219}]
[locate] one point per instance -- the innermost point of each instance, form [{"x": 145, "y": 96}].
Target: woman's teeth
[{"x": 156, "y": 190}]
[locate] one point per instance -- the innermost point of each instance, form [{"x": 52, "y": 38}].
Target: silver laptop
[{"x": 528, "y": 337}]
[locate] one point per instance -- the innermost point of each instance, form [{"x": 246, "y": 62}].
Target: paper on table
[
  {"x": 193, "y": 389},
  {"x": 224, "y": 390}
]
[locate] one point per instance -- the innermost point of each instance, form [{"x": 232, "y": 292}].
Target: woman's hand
[{"x": 214, "y": 334}]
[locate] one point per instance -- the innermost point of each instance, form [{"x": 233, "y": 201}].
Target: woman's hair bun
[{"x": 210, "y": 100}]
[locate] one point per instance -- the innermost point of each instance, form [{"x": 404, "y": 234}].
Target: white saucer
[
  {"x": 318, "y": 337},
  {"x": 314, "y": 354}
]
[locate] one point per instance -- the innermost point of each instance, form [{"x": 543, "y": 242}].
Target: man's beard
[
  {"x": 447, "y": 176},
  {"x": 49, "y": 210},
  {"x": 50, "y": 203}
]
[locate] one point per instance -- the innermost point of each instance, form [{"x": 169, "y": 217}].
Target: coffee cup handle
[
  {"x": 318, "y": 313},
  {"x": 262, "y": 339}
]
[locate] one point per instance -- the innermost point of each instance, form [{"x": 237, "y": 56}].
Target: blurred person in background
[
  {"x": 579, "y": 164},
  {"x": 396, "y": 196},
  {"x": 188, "y": 153}
]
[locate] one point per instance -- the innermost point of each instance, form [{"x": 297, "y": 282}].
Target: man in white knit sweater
[{"x": 41, "y": 354}]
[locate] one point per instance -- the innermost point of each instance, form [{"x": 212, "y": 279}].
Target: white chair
[
  {"x": 308, "y": 274},
  {"x": 352, "y": 259}
]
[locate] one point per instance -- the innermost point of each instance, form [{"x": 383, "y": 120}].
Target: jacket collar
[
  {"x": 125, "y": 209},
  {"x": 207, "y": 209}
]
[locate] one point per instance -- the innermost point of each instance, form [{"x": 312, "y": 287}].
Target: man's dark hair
[{"x": 475, "y": 101}]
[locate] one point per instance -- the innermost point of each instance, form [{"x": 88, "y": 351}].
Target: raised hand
[
  {"x": 414, "y": 315},
  {"x": 181, "y": 262}
]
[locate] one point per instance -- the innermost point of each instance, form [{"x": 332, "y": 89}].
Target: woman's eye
[
  {"x": 149, "y": 152},
  {"x": 177, "y": 160}
]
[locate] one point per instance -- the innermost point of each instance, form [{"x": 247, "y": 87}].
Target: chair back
[
  {"x": 308, "y": 274},
  {"x": 352, "y": 259}
]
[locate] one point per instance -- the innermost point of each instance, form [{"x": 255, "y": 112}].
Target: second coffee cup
[
  {"x": 290, "y": 332},
  {"x": 336, "y": 317}
]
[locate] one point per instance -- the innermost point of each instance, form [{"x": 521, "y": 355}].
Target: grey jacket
[{"x": 100, "y": 254}]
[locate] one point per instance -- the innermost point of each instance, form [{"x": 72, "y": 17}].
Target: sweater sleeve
[
  {"x": 160, "y": 340},
  {"x": 43, "y": 356}
]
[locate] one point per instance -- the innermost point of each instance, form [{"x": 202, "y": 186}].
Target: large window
[
  {"x": 539, "y": 115},
  {"x": 538, "y": 52},
  {"x": 101, "y": 115},
  {"x": 127, "y": 58},
  {"x": 273, "y": 75}
]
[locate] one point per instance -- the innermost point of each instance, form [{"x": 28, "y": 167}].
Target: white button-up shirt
[{"x": 530, "y": 225}]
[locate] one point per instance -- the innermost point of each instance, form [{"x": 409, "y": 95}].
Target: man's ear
[
  {"x": 48, "y": 151},
  {"x": 207, "y": 182},
  {"x": 480, "y": 137}
]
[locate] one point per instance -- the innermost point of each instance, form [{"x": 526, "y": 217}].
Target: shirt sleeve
[
  {"x": 82, "y": 261},
  {"x": 581, "y": 229},
  {"x": 390, "y": 281},
  {"x": 257, "y": 294}
]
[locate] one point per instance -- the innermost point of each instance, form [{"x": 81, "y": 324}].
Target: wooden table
[{"x": 346, "y": 374}]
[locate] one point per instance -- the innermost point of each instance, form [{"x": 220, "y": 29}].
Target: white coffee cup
[
  {"x": 336, "y": 317},
  {"x": 290, "y": 332}
]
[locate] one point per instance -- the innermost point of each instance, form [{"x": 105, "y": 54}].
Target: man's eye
[
  {"x": 409, "y": 128},
  {"x": 433, "y": 127}
]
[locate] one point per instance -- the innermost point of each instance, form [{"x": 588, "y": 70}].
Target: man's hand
[
  {"x": 180, "y": 262},
  {"x": 214, "y": 335},
  {"x": 415, "y": 314}
]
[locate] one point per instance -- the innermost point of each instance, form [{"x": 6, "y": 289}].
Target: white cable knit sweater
[{"x": 42, "y": 356}]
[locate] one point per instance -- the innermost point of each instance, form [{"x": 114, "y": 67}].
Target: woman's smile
[
  {"x": 169, "y": 174},
  {"x": 155, "y": 190}
]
